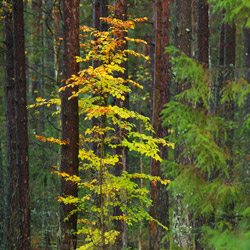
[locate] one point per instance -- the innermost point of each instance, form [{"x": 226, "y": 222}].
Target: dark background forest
[{"x": 124, "y": 124}]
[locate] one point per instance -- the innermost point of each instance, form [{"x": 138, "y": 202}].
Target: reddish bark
[
  {"x": 21, "y": 127},
  {"x": 70, "y": 122},
  {"x": 161, "y": 84}
]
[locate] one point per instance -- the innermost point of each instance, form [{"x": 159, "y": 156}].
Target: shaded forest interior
[{"x": 125, "y": 124}]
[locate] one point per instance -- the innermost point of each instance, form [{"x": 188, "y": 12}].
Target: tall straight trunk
[
  {"x": 104, "y": 13},
  {"x": 183, "y": 29},
  {"x": 246, "y": 41},
  {"x": 11, "y": 218},
  {"x": 120, "y": 225},
  {"x": 183, "y": 38},
  {"x": 203, "y": 32},
  {"x": 161, "y": 86},
  {"x": 229, "y": 63},
  {"x": 21, "y": 127},
  {"x": 246, "y": 56},
  {"x": 203, "y": 53},
  {"x": 70, "y": 123},
  {"x": 96, "y": 14},
  {"x": 2, "y": 202},
  {"x": 57, "y": 42},
  {"x": 220, "y": 64},
  {"x": 47, "y": 236}
]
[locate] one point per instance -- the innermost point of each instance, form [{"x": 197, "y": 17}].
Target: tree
[
  {"x": 161, "y": 87},
  {"x": 203, "y": 32},
  {"x": 70, "y": 122},
  {"x": 183, "y": 38},
  {"x": 203, "y": 57},
  {"x": 11, "y": 169},
  {"x": 220, "y": 64},
  {"x": 21, "y": 127},
  {"x": 121, "y": 226}
]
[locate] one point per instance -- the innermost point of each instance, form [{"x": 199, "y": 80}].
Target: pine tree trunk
[
  {"x": 70, "y": 123},
  {"x": 229, "y": 62},
  {"x": 21, "y": 127},
  {"x": 245, "y": 144},
  {"x": 203, "y": 53},
  {"x": 161, "y": 85},
  {"x": 220, "y": 64},
  {"x": 120, "y": 225},
  {"x": 11, "y": 218},
  {"x": 246, "y": 41},
  {"x": 203, "y": 32},
  {"x": 183, "y": 36},
  {"x": 2, "y": 201}
]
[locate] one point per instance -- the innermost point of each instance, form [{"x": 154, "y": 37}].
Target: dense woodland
[{"x": 125, "y": 124}]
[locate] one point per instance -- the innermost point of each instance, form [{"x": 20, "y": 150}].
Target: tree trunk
[
  {"x": 203, "y": 53},
  {"x": 203, "y": 32},
  {"x": 21, "y": 127},
  {"x": 11, "y": 218},
  {"x": 120, "y": 225},
  {"x": 220, "y": 64},
  {"x": 229, "y": 62},
  {"x": 183, "y": 38},
  {"x": 2, "y": 202},
  {"x": 161, "y": 85},
  {"x": 245, "y": 144},
  {"x": 70, "y": 123},
  {"x": 246, "y": 40}
]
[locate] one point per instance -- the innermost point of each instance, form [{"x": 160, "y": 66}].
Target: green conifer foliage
[{"x": 211, "y": 183}]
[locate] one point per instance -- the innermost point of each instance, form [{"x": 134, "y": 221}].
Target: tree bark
[
  {"x": 70, "y": 123},
  {"x": 2, "y": 202},
  {"x": 121, "y": 226},
  {"x": 229, "y": 63},
  {"x": 245, "y": 144},
  {"x": 183, "y": 38},
  {"x": 203, "y": 57},
  {"x": 11, "y": 218},
  {"x": 203, "y": 32},
  {"x": 220, "y": 64},
  {"x": 21, "y": 127},
  {"x": 246, "y": 41},
  {"x": 161, "y": 85}
]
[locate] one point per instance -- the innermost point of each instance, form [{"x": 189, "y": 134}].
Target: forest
[{"x": 125, "y": 124}]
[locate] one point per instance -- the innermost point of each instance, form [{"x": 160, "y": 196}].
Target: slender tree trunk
[
  {"x": 11, "y": 218},
  {"x": 161, "y": 85},
  {"x": 70, "y": 123},
  {"x": 21, "y": 127},
  {"x": 203, "y": 53},
  {"x": 245, "y": 144},
  {"x": 246, "y": 41},
  {"x": 57, "y": 42},
  {"x": 183, "y": 38},
  {"x": 220, "y": 64},
  {"x": 203, "y": 32},
  {"x": 47, "y": 245},
  {"x": 104, "y": 13},
  {"x": 2, "y": 202},
  {"x": 121, "y": 226},
  {"x": 229, "y": 62}
]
